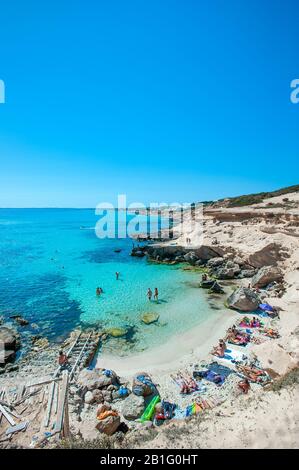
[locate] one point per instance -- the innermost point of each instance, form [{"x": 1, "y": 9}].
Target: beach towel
[
  {"x": 215, "y": 373},
  {"x": 232, "y": 356}
]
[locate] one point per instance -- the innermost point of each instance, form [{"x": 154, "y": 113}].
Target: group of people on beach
[{"x": 150, "y": 294}]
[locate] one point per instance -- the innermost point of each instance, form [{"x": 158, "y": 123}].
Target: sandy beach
[{"x": 177, "y": 353}]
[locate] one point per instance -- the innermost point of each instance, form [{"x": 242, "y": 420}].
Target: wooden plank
[
  {"x": 41, "y": 381},
  {"x": 12, "y": 413},
  {"x": 66, "y": 422},
  {"x": 21, "y": 391},
  {"x": 56, "y": 398},
  {"x": 49, "y": 406},
  {"x": 6, "y": 396},
  {"x": 7, "y": 416},
  {"x": 62, "y": 399}
]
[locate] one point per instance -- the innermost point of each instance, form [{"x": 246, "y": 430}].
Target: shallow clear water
[{"x": 51, "y": 263}]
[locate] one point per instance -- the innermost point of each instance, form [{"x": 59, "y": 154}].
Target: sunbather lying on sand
[
  {"x": 187, "y": 385},
  {"x": 270, "y": 332},
  {"x": 254, "y": 374},
  {"x": 236, "y": 336}
]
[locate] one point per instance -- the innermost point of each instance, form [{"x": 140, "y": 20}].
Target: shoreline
[{"x": 177, "y": 352}]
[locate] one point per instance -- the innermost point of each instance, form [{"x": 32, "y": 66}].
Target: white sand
[{"x": 178, "y": 352}]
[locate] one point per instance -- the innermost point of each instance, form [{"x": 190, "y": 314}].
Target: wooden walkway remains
[
  {"x": 79, "y": 355},
  {"x": 54, "y": 389}
]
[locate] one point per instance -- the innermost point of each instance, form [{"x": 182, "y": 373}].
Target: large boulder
[
  {"x": 8, "y": 338},
  {"x": 109, "y": 425},
  {"x": 191, "y": 257},
  {"x": 142, "y": 384},
  {"x": 266, "y": 275},
  {"x": 247, "y": 273},
  {"x": 206, "y": 252},
  {"x": 243, "y": 299},
  {"x": 108, "y": 420},
  {"x": 9, "y": 344},
  {"x": 213, "y": 262},
  {"x": 225, "y": 273},
  {"x": 91, "y": 380},
  {"x": 269, "y": 255},
  {"x": 133, "y": 407}
]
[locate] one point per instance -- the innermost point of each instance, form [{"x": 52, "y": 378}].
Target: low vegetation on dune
[{"x": 249, "y": 199}]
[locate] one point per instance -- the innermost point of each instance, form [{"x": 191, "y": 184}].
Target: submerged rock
[
  {"x": 20, "y": 320},
  {"x": 149, "y": 318},
  {"x": 243, "y": 299},
  {"x": 117, "y": 332}
]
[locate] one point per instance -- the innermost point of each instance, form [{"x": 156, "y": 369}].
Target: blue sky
[{"x": 163, "y": 100}]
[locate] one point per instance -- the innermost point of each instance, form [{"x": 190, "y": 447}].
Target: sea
[{"x": 52, "y": 261}]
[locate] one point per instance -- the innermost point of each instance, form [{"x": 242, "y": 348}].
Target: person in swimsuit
[
  {"x": 220, "y": 349},
  {"x": 149, "y": 293},
  {"x": 156, "y": 294}
]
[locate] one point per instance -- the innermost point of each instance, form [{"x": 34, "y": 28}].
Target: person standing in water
[
  {"x": 117, "y": 275},
  {"x": 156, "y": 294},
  {"x": 99, "y": 291},
  {"x": 149, "y": 293}
]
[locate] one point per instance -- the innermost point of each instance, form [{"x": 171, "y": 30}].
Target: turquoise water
[{"x": 51, "y": 263}]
